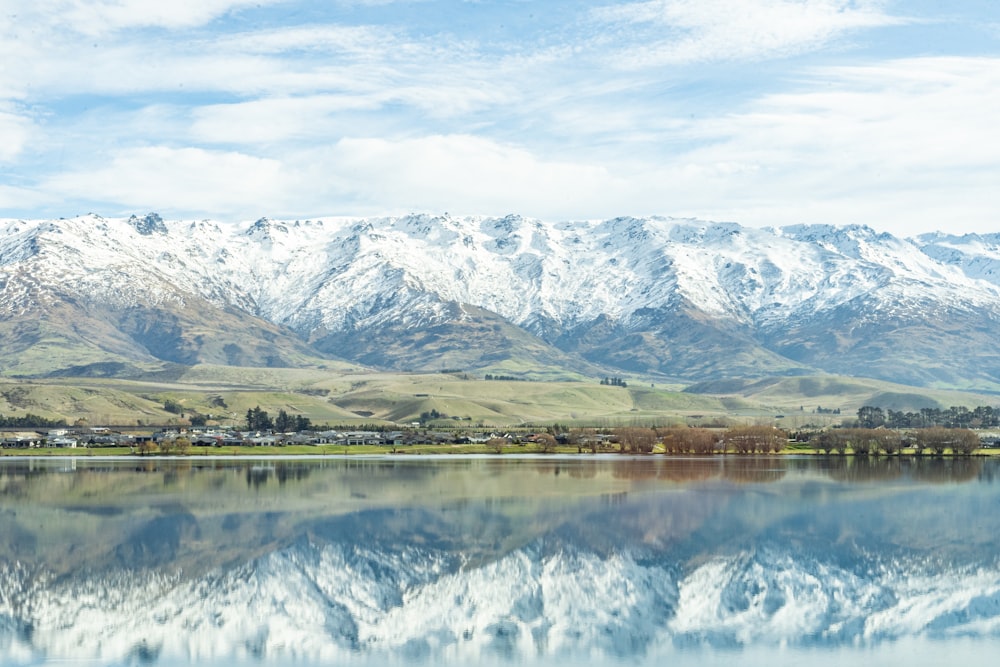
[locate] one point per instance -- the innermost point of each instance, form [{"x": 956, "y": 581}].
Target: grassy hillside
[
  {"x": 349, "y": 396},
  {"x": 226, "y": 394},
  {"x": 799, "y": 398}
]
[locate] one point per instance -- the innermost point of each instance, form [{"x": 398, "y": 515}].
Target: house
[
  {"x": 20, "y": 440},
  {"x": 363, "y": 438},
  {"x": 208, "y": 440},
  {"x": 306, "y": 438}
]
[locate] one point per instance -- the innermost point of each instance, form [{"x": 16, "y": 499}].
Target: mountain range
[{"x": 677, "y": 299}]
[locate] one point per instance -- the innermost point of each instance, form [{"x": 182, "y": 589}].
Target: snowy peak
[
  {"x": 149, "y": 224},
  {"x": 323, "y": 279},
  {"x": 974, "y": 255}
]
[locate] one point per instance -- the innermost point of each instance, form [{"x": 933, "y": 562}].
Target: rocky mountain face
[{"x": 677, "y": 298}]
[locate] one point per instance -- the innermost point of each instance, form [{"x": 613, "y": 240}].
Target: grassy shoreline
[{"x": 414, "y": 450}]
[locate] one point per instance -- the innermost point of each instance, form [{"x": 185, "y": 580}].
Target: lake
[{"x": 600, "y": 560}]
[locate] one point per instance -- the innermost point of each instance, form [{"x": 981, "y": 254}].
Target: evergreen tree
[{"x": 258, "y": 420}]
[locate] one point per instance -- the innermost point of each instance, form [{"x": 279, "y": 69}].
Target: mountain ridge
[{"x": 665, "y": 297}]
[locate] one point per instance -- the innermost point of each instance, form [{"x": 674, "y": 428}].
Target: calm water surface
[{"x": 509, "y": 561}]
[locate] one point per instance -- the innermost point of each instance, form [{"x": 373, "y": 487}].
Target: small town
[
  {"x": 173, "y": 440},
  {"x": 750, "y": 439}
]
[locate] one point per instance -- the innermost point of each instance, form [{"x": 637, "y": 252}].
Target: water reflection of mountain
[
  {"x": 462, "y": 562},
  {"x": 548, "y": 600}
]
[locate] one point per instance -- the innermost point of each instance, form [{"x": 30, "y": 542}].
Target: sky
[{"x": 761, "y": 112}]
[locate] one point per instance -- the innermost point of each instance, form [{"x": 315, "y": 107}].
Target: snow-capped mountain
[
  {"x": 315, "y": 603},
  {"x": 681, "y": 298}
]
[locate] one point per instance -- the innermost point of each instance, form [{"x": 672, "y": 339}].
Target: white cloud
[
  {"x": 22, "y": 199},
  {"x": 274, "y": 120},
  {"x": 15, "y": 131},
  {"x": 907, "y": 146},
  {"x": 368, "y": 119},
  {"x": 180, "y": 180},
  {"x": 360, "y": 41},
  {"x": 685, "y": 31},
  {"x": 98, "y": 17},
  {"x": 895, "y": 145},
  {"x": 462, "y": 173},
  {"x": 457, "y": 173},
  {"x": 339, "y": 68}
]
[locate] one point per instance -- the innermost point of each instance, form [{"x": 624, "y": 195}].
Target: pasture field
[{"x": 349, "y": 397}]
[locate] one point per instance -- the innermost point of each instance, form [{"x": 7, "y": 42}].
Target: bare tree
[
  {"x": 965, "y": 442},
  {"x": 546, "y": 442},
  {"x": 939, "y": 440},
  {"x": 888, "y": 442},
  {"x": 637, "y": 440},
  {"x": 755, "y": 439},
  {"x": 701, "y": 441},
  {"x": 936, "y": 439}
]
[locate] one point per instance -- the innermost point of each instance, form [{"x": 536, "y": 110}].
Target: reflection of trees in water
[
  {"x": 291, "y": 471},
  {"x": 942, "y": 470},
  {"x": 667, "y": 469},
  {"x": 988, "y": 474},
  {"x": 636, "y": 470},
  {"x": 582, "y": 471},
  {"x": 754, "y": 469},
  {"x": 257, "y": 475},
  {"x": 690, "y": 470},
  {"x": 554, "y": 469},
  {"x": 925, "y": 469},
  {"x": 172, "y": 474},
  {"x": 864, "y": 468}
]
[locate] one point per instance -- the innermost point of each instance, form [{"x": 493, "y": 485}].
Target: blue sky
[{"x": 763, "y": 112}]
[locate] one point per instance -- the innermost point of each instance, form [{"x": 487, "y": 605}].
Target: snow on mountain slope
[
  {"x": 336, "y": 275},
  {"x": 335, "y": 602},
  {"x": 342, "y": 272},
  {"x": 975, "y": 255}
]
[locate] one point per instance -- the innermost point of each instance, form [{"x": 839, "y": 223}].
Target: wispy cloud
[
  {"x": 462, "y": 173},
  {"x": 911, "y": 139},
  {"x": 185, "y": 179},
  {"x": 685, "y": 107},
  {"x": 685, "y": 31},
  {"x": 15, "y": 130},
  {"x": 100, "y": 17},
  {"x": 459, "y": 173}
]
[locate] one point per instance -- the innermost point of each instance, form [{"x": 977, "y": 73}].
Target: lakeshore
[{"x": 293, "y": 451}]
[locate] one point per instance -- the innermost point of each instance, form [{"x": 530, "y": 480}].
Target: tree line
[
  {"x": 874, "y": 441},
  {"x": 260, "y": 420},
  {"x": 679, "y": 440},
  {"x": 983, "y": 416},
  {"x": 30, "y": 421},
  {"x": 761, "y": 439}
]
